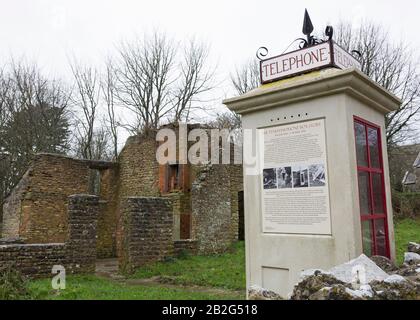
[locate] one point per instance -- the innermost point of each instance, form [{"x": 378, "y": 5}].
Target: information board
[{"x": 294, "y": 179}]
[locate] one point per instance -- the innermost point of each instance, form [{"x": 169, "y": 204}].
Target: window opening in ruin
[{"x": 173, "y": 177}]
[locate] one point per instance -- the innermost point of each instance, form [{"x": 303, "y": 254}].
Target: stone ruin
[
  {"x": 132, "y": 209},
  {"x": 377, "y": 278}
]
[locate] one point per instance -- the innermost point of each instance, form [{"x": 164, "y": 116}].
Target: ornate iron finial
[
  {"x": 261, "y": 53},
  {"x": 310, "y": 40},
  {"x": 329, "y": 32},
  {"x": 307, "y": 27}
]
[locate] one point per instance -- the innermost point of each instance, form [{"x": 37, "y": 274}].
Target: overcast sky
[{"x": 49, "y": 30}]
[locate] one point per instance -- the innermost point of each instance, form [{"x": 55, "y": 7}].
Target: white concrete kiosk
[{"x": 318, "y": 194}]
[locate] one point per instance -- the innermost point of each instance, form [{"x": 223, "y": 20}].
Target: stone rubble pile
[
  {"x": 258, "y": 293},
  {"x": 363, "y": 278}
]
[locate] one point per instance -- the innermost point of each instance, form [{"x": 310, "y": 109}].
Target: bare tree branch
[
  {"x": 393, "y": 66},
  {"x": 246, "y": 77},
  {"x": 85, "y": 99},
  {"x": 151, "y": 83}
]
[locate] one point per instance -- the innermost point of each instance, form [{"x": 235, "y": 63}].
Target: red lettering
[
  {"x": 284, "y": 65},
  {"x": 299, "y": 60},
  {"x": 292, "y": 63},
  {"x": 266, "y": 70},
  {"x": 277, "y": 67},
  {"x": 271, "y": 68},
  {"x": 315, "y": 55},
  {"x": 339, "y": 57},
  {"x": 321, "y": 54},
  {"x": 307, "y": 55}
]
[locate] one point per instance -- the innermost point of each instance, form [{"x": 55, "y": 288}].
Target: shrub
[
  {"x": 13, "y": 285},
  {"x": 183, "y": 254},
  {"x": 406, "y": 204}
]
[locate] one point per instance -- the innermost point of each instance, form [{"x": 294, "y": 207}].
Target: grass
[
  {"x": 95, "y": 288},
  {"x": 225, "y": 271},
  {"x": 406, "y": 230}
]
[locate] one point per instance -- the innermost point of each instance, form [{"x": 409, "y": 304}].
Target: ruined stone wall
[
  {"x": 138, "y": 177},
  {"x": 78, "y": 255},
  {"x": 147, "y": 232},
  {"x": 83, "y": 213},
  {"x": 185, "y": 246},
  {"x": 211, "y": 209},
  {"x": 138, "y": 168},
  {"x": 33, "y": 260},
  {"x": 12, "y": 209},
  {"x": 42, "y": 199},
  {"x": 37, "y": 208}
]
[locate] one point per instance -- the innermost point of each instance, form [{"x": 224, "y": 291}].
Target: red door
[{"x": 371, "y": 188}]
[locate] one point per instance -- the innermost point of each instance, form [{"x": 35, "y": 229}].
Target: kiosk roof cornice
[{"x": 316, "y": 84}]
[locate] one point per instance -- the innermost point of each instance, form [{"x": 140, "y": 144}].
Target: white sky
[{"x": 49, "y": 30}]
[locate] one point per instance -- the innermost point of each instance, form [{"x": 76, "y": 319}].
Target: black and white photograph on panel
[
  {"x": 316, "y": 175},
  {"x": 300, "y": 176},
  {"x": 284, "y": 177},
  {"x": 269, "y": 179}
]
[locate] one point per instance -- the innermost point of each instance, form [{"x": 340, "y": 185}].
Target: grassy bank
[
  {"x": 406, "y": 230},
  {"x": 221, "y": 271},
  {"x": 222, "y": 275},
  {"x": 95, "y": 288}
]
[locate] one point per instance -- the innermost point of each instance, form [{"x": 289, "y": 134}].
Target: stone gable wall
[
  {"x": 138, "y": 168},
  {"x": 42, "y": 199},
  {"x": 138, "y": 177},
  {"x": 36, "y": 211},
  {"x": 12, "y": 209}
]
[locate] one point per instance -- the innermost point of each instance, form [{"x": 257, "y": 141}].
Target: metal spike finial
[
  {"x": 307, "y": 27},
  {"x": 307, "y": 24}
]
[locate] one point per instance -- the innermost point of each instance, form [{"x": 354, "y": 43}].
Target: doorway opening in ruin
[
  {"x": 241, "y": 218},
  {"x": 94, "y": 182},
  {"x": 185, "y": 226}
]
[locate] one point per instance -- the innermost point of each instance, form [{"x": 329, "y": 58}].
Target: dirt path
[{"x": 108, "y": 268}]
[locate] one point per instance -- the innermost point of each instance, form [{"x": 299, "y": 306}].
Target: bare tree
[
  {"x": 34, "y": 117},
  {"x": 246, "y": 77},
  {"x": 108, "y": 92},
  {"x": 394, "y": 66},
  {"x": 226, "y": 120},
  {"x": 153, "y": 85},
  {"x": 85, "y": 99},
  {"x": 100, "y": 147},
  {"x": 195, "y": 79}
]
